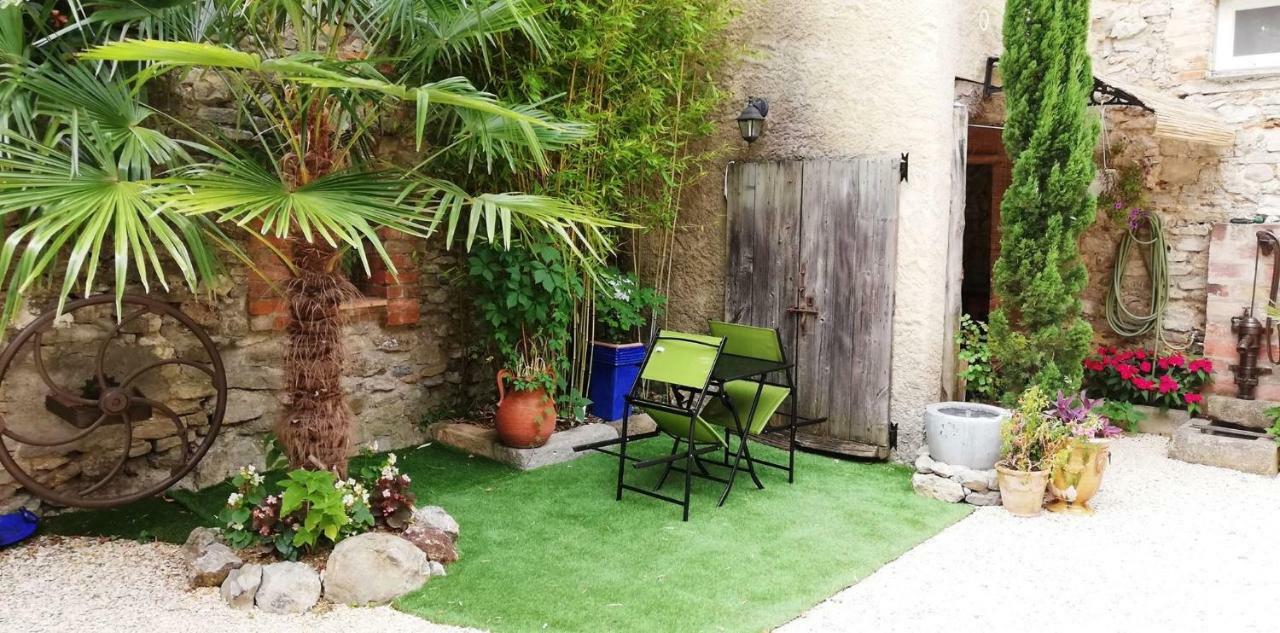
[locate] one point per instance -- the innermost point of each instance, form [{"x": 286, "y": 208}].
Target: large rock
[
  {"x": 288, "y": 588},
  {"x": 1250, "y": 413},
  {"x": 975, "y": 480},
  {"x": 936, "y": 487},
  {"x": 241, "y": 586},
  {"x": 211, "y": 567},
  {"x": 1257, "y": 456},
  {"x": 477, "y": 440},
  {"x": 436, "y": 518},
  {"x": 199, "y": 540},
  {"x": 988, "y": 498},
  {"x": 436, "y": 544},
  {"x": 374, "y": 568}
]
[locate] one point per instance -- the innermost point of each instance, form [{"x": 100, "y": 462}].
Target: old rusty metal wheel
[{"x": 116, "y": 402}]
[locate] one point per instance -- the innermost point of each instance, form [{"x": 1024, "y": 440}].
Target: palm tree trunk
[{"x": 315, "y": 433}]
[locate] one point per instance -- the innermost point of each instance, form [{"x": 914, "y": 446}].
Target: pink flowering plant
[
  {"x": 1081, "y": 416},
  {"x": 1140, "y": 376}
]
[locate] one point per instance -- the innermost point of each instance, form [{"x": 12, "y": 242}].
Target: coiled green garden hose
[{"x": 1156, "y": 257}]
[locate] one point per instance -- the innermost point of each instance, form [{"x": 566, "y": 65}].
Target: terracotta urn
[
  {"x": 526, "y": 417},
  {"x": 1077, "y": 480},
  {"x": 1021, "y": 491}
]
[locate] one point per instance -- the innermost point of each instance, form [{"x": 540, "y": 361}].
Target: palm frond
[
  {"x": 433, "y": 31},
  {"x": 343, "y": 209},
  {"x": 85, "y": 213},
  {"x": 496, "y": 217}
]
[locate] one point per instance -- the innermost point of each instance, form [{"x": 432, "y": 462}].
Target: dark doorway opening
[
  {"x": 975, "y": 291},
  {"x": 987, "y": 175}
]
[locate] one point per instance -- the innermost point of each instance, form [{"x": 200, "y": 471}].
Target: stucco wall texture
[{"x": 851, "y": 78}]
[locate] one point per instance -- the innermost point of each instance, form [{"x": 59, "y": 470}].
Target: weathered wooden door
[{"x": 812, "y": 251}]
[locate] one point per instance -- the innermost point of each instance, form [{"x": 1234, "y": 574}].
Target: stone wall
[{"x": 1168, "y": 44}]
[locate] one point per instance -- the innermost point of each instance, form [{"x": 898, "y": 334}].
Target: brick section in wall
[
  {"x": 1231, "y": 287},
  {"x": 399, "y": 288},
  {"x": 268, "y": 309}
]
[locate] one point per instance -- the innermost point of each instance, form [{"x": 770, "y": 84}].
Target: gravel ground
[
  {"x": 1173, "y": 547},
  {"x": 82, "y": 585}
]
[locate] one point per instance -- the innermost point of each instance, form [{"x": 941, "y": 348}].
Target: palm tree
[{"x": 319, "y": 84}]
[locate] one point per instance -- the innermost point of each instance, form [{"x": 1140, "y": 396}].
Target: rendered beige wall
[{"x": 850, "y": 78}]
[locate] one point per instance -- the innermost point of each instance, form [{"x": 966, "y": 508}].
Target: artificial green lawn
[{"x": 550, "y": 549}]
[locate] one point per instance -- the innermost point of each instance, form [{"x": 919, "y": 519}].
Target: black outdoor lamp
[{"x": 751, "y": 121}]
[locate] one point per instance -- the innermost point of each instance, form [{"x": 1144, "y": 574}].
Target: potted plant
[
  {"x": 621, "y": 304},
  {"x": 1032, "y": 442},
  {"x": 1076, "y": 479},
  {"x": 1163, "y": 389},
  {"x": 526, "y": 415}
]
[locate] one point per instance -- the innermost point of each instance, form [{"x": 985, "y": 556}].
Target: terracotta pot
[
  {"x": 1022, "y": 492},
  {"x": 526, "y": 418},
  {"x": 1075, "y": 482}
]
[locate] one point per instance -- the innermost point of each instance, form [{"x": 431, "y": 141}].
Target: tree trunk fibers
[{"x": 315, "y": 431}]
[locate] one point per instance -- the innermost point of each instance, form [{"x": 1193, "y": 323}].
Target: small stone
[
  {"x": 288, "y": 588},
  {"x": 975, "y": 480},
  {"x": 241, "y": 585},
  {"x": 943, "y": 470},
  {"x": 199, "y": 540},
  {"x": 936, "y": 487},
  {"x": 989, "y": 498},
  {"x": 924, "y": 465},
  {"x": 436, "y": 518},
  {"x": 993, "y": 480},
  {"x": 436, "y": 544},
  {"x": 374, "y": 568},
  {"x": 213, "y": 565},
  {"x": 437, "y": 568}
]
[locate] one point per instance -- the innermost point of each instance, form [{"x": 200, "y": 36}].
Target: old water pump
[{"x": 1252, "y": 334}]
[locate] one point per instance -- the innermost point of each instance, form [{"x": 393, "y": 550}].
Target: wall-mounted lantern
[{"x": 751, "y": 121}]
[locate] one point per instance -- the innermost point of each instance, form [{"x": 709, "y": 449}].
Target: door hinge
[{"x": 904, "y": 165}]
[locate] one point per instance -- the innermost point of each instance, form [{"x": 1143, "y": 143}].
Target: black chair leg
[
  {"x": 666, "y": 470},
  {"x": 622, "y": 451},
  {"x": 751, "y": 464}
]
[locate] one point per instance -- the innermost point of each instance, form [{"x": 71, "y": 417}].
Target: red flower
[
  {"x": 1193, "y": 398},
  {"x": 1201, "y": 364},
  {"x": 1126, "y": 371},
  {"x": 1167, "y": 384},
  {"x": 1141, "y": 354},
  {"x": 1093, "y": 365},
  {"x": 1175, "y": 360},
  {"x": 1146, "y": 365},
  {"x": 1143, "y": 384},
  {"x": 1123, "y": 356}
]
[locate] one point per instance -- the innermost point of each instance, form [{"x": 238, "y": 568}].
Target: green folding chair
[
  {"x": 756, "y": 401},
  {"x": 683, "y": 363}
]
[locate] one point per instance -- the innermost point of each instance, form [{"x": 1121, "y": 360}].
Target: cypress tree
[{"x": 1038, "y": 335}]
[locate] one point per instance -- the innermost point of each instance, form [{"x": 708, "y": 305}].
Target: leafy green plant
[
  {"x": 524, "y": 296},
  {"x": 1273, "y": 414},
  {"x": 623, "y": 305},
  {"x": 1032, "y": 439},
  {"x": 1122, "y": 414},
  {"x": 978, "y": 376},
  {"x": 1038, "y": 333},
  {"x": 313, "y": 493},
  {"x": 1126, "y": 189}
]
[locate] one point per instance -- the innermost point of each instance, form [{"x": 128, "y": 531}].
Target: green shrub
[
  {"x": 1038, "y": 336},
  {"x": 623, "y": 306}
]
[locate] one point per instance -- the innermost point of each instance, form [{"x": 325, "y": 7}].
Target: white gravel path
[
  {"x": 90, "y": 585},
  {"x": 1173, "y": 547}
]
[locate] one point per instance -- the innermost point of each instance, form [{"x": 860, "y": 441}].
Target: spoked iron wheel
[{"x": 111, "y": 398}]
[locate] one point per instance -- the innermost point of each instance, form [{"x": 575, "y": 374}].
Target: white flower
[
  {"x": 386, "y": 493},
  {"x": 257, "y": 479},
  {"x": 389, "y": 472},
  {"x": 271, "y": 499},
  {"x": 348, "y": 500},
  {"x": 237, "y": 526},
  {"x": 405, "y": 478},
  {"x": 233, "y": 500},
  {"x": 391, "y": 459}
]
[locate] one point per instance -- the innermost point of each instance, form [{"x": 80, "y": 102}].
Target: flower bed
[{"x": 1140, "y": 376}]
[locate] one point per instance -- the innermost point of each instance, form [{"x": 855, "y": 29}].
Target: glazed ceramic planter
[
  {"x": 1022, "y": 492},
  {"x": 1077, "y": 480},
  {"x": 614, "y": 368},
  {"x": 526, "y": 418}
]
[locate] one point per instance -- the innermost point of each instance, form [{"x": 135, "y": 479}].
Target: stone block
[
  {"x": 1257, "y": 456},
  {"x": 1250, "y": 413},
  {"x": 476, "y": 440},
  {"x": 639, "y": 424}
]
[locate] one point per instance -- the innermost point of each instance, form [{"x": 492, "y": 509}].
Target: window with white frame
[{"x": 1248, "y": 35}]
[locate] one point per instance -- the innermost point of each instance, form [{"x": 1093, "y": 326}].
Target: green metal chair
[
  {"x": 683, "y": 363},
  {"x": 758, "y": 400}
]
